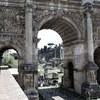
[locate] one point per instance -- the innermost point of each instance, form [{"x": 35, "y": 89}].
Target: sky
[{"x": 48, "y": 36}]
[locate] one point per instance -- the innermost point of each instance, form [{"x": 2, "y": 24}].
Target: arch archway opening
[
  {"x": 71, "y": 74},
  {"x": 68, "y": 33},
  {"x": 64, "y": 27},
  {"x": 9, "y": 56},
  {"x": 50, "y": 56},
  {"x": 97, "y": 61},
  {"x": 48, "y": 38},
  {"x": 50, "y": 45}
]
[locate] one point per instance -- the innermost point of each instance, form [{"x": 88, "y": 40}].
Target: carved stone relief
[
  {"x": 76, "y": 17},
  {"x": 28, "y": 80},
  {"x": 12, "y": 20}
]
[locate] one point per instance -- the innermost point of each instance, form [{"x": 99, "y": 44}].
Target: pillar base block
[
  {"x": 28, "y": 76},
  {"x": 90, "y": 88},
  {"x": 32, "y": 94},
  {"x": 29, "y": 67},
  {"x": 91, "y": 91}
]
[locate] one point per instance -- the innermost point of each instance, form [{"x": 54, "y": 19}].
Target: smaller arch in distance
[{"x": 4, "y": 48}]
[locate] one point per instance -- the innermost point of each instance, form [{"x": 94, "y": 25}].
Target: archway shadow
[
  {"x": 97, "y": 61},
  {"x": 71, "y": 74}
]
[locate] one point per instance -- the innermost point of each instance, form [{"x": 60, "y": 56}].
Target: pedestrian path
[
  {"x": 58, "y": 94},
  {"x": 9, "y": 88}
]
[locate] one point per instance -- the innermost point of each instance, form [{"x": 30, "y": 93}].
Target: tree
[
  {"x": 8, "y": 60},
  {"x": 51, "y": 44}
]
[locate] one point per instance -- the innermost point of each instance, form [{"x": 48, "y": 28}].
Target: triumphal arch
[{"x": 78, "y": 24}]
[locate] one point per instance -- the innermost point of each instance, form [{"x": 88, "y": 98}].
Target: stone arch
[
  {"x": 3, "y": 48},
  {"x": 97, "y": 61},
  {"x": 15, "y": 47},
  {"x": 48, "y": 18},
  {"x": 64, "y": 26},
  {"x": 70, "y": 68},
  {"x": 69, "y": 33}
]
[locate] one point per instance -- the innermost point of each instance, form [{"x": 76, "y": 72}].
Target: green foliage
[{"x": 9, "y": 60}]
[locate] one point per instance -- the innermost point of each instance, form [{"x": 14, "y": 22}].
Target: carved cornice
[{"x": 75, "y": 16}]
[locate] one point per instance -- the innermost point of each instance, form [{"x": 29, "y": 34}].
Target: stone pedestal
[
  {"x": 32, "y": 94},
  {"x": 90, "y": 91},
  {"x": 29, "y": 72},
  {"x": 90, "y": 88}
]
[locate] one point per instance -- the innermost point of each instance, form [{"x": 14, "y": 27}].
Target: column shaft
[
  {"x": 28, "y": 33},
  {"x": 90, "y": 47}
]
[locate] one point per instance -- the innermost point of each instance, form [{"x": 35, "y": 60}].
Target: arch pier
[{"x": 90, "y": 87}]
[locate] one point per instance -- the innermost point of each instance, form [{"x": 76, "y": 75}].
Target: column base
[
  {"x": 32, "y": 94},
  {"x": 91, "y": 91},
  {"x": 29, "y": 67}
]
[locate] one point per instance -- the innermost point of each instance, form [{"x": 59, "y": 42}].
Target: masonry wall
[{"x": 75, "y": 54}]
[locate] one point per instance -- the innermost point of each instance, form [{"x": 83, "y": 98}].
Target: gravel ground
[{"x": 47, "y": 94}]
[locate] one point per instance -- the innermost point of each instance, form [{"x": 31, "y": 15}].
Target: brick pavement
[{"x": 9, "y": 88}]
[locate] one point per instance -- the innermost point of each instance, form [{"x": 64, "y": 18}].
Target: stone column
[
  {"x": 90, "y": 88},
  {"x": 28, "y": 32},
  {"x": 29, "y": 69},
  {"x": 90, "y": 46}
]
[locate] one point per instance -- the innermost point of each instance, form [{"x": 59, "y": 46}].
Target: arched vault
[{"x": 64, "y": 27}]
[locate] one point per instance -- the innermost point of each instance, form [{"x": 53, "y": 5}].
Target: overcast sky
[{"x": 48, "y": 36}]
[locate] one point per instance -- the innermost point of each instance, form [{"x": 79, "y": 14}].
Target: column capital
[
  {"x": 29, "y": 6},
  {"x": 88, "y": 7}
]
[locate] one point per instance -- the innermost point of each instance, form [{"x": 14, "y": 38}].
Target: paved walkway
[
  {"x": 58, "y": 94},
  {"x": 9, "y": 88},
  {"x": 52, "y": 93}
]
